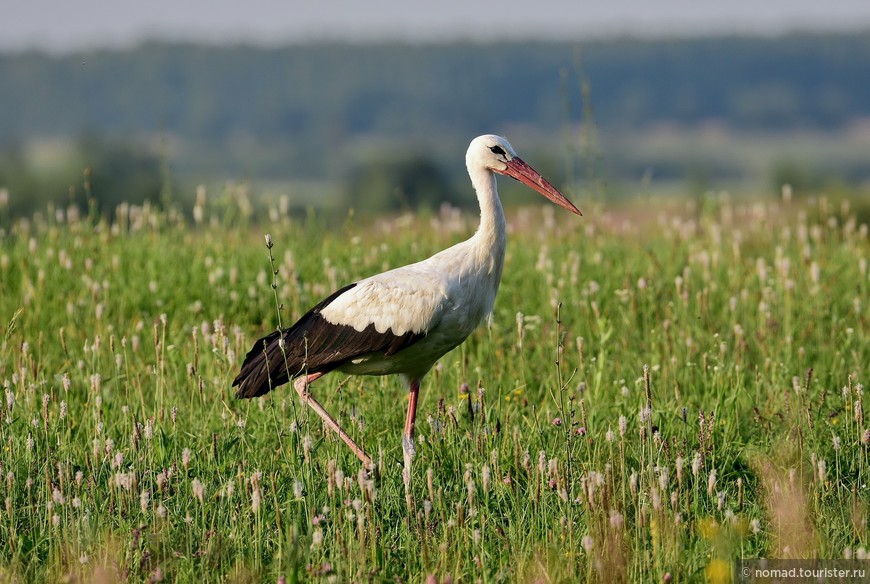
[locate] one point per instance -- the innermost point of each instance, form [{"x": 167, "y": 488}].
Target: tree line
[{"x": 308, "y": 109}]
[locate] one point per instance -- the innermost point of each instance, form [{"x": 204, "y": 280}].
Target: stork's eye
[{"x": 497, "y": 150}]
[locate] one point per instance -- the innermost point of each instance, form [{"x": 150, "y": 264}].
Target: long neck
[{"x": 490, "y": 236}]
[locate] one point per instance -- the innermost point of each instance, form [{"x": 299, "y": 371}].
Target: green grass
[{"x": 125, "y": 454}]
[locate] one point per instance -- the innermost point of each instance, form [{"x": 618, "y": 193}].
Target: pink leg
[
  {"x": 412, "y": 408},
  {"x": 408, "y": 437},
  {"x": 301, "y": 385}
]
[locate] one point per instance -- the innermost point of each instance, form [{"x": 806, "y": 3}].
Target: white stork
[{"x": 404, "y": 320}]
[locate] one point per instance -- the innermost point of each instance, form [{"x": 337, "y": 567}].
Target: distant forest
[{"x": 303, "y": 111}]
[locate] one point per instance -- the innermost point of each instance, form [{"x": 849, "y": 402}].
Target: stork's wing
[
  {"x": 404, "y": 300},
  {"x": 385, "y": 313}
]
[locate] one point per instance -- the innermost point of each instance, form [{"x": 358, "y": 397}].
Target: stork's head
[{"x": 495, "y": 154}]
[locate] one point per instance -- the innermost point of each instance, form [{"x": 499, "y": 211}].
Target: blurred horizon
[
  {"x": 54, "y": 26},
  {"x": 373, "y": 105}
]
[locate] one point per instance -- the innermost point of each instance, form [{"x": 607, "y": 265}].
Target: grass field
[{"x": 663, "y": 389}]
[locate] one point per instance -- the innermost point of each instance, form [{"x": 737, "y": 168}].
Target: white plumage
[{"x": 404, "y": 320}]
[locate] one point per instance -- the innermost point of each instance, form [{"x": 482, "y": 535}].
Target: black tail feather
[
  {"x": 267, "y": 365},
  {"x": 261, "y": 370}
]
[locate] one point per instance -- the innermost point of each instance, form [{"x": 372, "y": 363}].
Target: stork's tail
[
  {"x": 269, "y": 364},
  {"x": 264, "y": 368}
]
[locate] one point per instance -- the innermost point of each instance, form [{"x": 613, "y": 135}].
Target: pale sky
[{"x": 62, "y": 25}]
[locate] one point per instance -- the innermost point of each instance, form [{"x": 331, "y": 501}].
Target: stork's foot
[{"x": 301, "y": 386}]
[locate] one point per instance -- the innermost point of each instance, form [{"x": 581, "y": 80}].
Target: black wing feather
[{"x": 312, "y": 345}]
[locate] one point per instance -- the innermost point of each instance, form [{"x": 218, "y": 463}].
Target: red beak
[{"x": 527, "y": 175}]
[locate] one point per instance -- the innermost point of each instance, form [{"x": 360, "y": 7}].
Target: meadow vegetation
[{"x": 664, "y": 387}]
